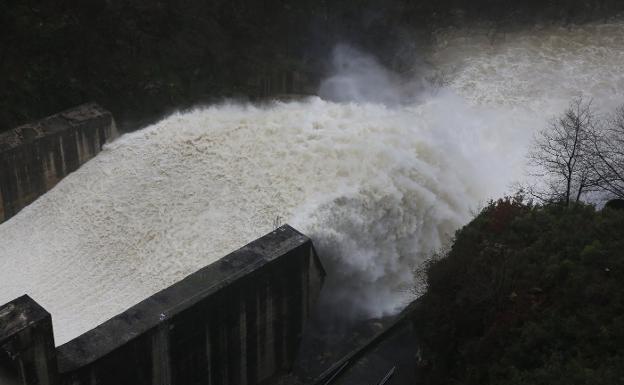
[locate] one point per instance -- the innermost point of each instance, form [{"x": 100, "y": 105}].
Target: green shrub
[{"x": 527, "y": 295}]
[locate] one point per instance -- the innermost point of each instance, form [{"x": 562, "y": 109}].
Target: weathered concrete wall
[
  {"x": 36, "y": 156},
  {"x": 27, "y": 342},
  {"x": 236, "y": 321}
]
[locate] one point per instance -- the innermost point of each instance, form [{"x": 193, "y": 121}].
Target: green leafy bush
[{"x": 527, "y": 295}]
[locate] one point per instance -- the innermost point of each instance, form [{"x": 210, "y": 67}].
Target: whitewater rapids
[{"x": 378, "y": 184}]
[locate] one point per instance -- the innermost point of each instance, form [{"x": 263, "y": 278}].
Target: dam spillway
[
  {"x": 378, "y": 186},
  {"x": 237, "y": 321}
]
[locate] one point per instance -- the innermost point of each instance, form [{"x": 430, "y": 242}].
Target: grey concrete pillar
[
  {"x": 161, "y": 361},
  {"x": 27, "y": 340}
]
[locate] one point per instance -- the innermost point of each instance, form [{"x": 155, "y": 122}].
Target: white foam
[{"x": 377, "y": 188}]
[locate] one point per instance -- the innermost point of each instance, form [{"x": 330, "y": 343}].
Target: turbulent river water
[{"x": 379, "y": 179}]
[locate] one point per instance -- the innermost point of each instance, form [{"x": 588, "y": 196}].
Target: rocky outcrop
[{"x": 36, "y": 156}]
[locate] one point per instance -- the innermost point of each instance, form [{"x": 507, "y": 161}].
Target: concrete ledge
[
  {"x": 26, "y": 338},
  {"x": 237, "y": 321},
  {"x": 36, "y": 156},
  {"x": 18, "y": 315}
]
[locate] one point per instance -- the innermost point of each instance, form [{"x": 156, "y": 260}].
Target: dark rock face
[
  {"x": 615, "y": 204},
  {"x": 237, "y": 321},
  {"x": 36, "y": 156}
]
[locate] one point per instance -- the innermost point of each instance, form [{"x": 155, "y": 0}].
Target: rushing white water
[{"x": 378, "y": 187}]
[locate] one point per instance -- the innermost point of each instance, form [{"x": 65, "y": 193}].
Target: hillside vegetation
[
  {"x": 141, "y": 58},
  {"x": 527, "y": 295}
]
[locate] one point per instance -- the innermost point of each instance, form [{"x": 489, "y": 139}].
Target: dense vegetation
[
  {"x": 140, "y": 58},
  {"x": 527, "y": 295}
]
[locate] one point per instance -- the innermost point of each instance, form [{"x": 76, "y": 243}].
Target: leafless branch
[{"x": 561, "y": 154}]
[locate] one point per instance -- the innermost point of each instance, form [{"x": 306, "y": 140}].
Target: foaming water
[
  {"x": 541, "y": 68},
  {"x": 378, "y": 187}
]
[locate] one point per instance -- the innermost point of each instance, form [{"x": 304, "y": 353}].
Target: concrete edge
[{"x": 149, "y": 313}]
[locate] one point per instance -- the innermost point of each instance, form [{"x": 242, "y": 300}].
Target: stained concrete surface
[
  {"x": 36, "y": 156},
  {"x": 237, "y": 321}
]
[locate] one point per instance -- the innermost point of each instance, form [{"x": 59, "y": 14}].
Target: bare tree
[
  {"x": 562, "y": 158},
  {"x": 607, "y": 154}
]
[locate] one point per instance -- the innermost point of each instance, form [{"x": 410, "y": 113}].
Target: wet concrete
[
  {"x": 239, "y": 320},
  {"x": 27, "y": 352},
  {"x": 36, "y": 156}
]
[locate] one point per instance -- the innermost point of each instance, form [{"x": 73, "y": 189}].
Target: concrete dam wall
[
  {"x": 237, "y": 321},
  {"x": 36, "y": 156}
]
